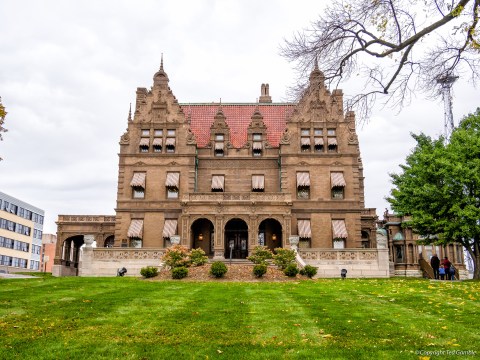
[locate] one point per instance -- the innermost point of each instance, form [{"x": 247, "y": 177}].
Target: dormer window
[
  {"x": 219, "y": 144},
  {"x": 257, "y": 145}
]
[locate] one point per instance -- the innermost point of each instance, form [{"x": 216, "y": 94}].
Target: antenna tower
[{"x": 445, "y": 83}]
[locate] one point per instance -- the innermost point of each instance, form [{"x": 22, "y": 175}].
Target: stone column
[{"x": 219, "y": 234}]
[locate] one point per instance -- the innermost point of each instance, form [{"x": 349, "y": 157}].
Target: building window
[
  {"x": 332, "y": 144},
  {"x": 218, "y": 183},
  {"x": 157, "y": 145},
  {"x": 13, "y": 209},
  {"x": 337, "y": 193},
  {"x": 338, "y": 184},
  {"x": 257, "y": 145},
  {"x": 6, "y": 206},
  {"x": 318, "y": 132},
  {"x": 171, "y": 133},
  {"x": 331, "y": 132},
  {"x": 304, "y": 231},
  {"x": 172, "y": 185},
  {"x": 170, "y": 144},
  {"x": 158, "y": 133},
  {"x": 144, "y": 145},
  {"x": 138, "y": 185},
  {"x": 258, "y": 183},
  {"x": 305, "y": 143},
  {"x": 305, "y": 132},
  {"x": 303, "y": 185},
  {"x": 219, "y": 144},
  {"x": 319, "y": 144},
  {"x": 145, "y": 132}
]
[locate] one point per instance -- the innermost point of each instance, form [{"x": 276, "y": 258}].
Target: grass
[{"x": 128, "y": 318}]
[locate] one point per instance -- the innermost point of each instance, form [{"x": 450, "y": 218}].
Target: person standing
[
  {"x": 446, "y": 264},
  {"x": 435, "y": 264},
  {"x": 442, "y": 272}
]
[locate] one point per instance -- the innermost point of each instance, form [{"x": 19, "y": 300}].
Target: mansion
[{"x": 226, "y": 177}]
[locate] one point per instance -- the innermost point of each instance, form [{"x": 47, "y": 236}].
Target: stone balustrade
[
  {"x": 127, "y": 253},
  {"x": 86, "y": 218},
  {"x": 237, "y": 197},
  {"x": 339, "y": 254}
]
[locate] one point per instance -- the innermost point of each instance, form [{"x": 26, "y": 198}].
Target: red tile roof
[{"x": 238, "y": 117}]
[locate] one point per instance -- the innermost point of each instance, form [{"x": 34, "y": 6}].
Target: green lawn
[{"x": 128, "y": 318}]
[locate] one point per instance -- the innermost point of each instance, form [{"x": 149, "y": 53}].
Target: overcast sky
[{"x": 69, "y": 70}]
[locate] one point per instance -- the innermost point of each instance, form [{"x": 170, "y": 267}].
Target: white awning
[
  {"x": 145, "y": 142},
  {"x": 136, "y": 229},
  {"x": 170, "y": 142},
  {"x": 332, "y": 141},
  {"x": 218, "y": 182},
  {"x": 170, "y": 228},
  {"x": 339, "y": 229},
  {"x": 173, "y": 179},
  {"x": 337, "y": 179},
  {"x": 303, "y": 179},
  {"x": 305, "y": 141},
  {"x": 304, "y": 229},
  {"x": 157, "y": 142},
  {"x": 258, "y": 182},
  {"x": 318, "y": 141},
  {"x": 257, "y": 145},
  {"x": 219, "y": 146},
  {"x": 138, "y": 180}
]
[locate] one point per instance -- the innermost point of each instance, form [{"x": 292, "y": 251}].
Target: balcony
[
  {"x": 237, "y": 197},
  {"x": 86, "y": 218}
]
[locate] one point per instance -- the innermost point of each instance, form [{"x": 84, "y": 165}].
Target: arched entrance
[
  {"x": 109, "y": 241},
  {"x": 236, "y": 239},
  {"x": 71, "y": 250},
  {"x": 270, "y": 234},
  {"x": 202, "y": 235}
]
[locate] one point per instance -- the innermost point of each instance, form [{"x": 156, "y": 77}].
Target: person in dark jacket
[
  {"x": 435, "y": 263},
  {"x": 446, "y": 264}
]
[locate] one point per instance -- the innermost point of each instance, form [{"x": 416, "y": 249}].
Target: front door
[{"x": 237, "y": 245}]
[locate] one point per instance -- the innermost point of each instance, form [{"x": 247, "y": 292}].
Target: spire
[
  {"x": 161, "y": 63},
  {"x": 316, "y": 76},
  {"x": 130, "y": 113},
  {"x": 160, "y": 77}
]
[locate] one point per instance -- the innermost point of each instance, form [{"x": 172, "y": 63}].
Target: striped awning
[
  {"x": 337, "y": 179},
  {"x": 170, "y": 141},
  {"x": 303, "y": 179},
  {"x": 145, "y": 142},
  {"x": 219, "y": 146},
  {"x": 170, "y": 228},
  {"x": 172, "y": 179},
  {"x": 218, "y": 182},
  {"x": 339, "y": 229},
  {"x": 138, "y": 180},
  {"x": 136, "y": 229},
  {"x": 258, "y": 182},
  {"x": 257, "y": 145},
  {"x": 305, "y": 141},
  {"x": 332, "y": 141},
  {"x": 319, "y": 141},
  {"x": 304, "y": 229},
  {"x": 157, "y": 142}
]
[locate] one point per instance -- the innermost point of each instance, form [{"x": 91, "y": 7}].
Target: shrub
[
  {"x": 309, "y": 271},
  {"x": 179, "y": 272},
  {"x": 198, "y": 257},
  {"x": 218, "y": 269},
  {"x": 149, "y": 271},
  {"x": 260, "y": 255},
  {"x": 283, "y": 257},
  {"x": 291, "y": 270},
  {"x": 176, "y": 256},
  {"x": 259, "y": 270}
]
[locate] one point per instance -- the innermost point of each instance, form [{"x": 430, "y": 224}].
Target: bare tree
[
  {"x": 3, "y": 113},
  {"x": 393, "y": 47}
]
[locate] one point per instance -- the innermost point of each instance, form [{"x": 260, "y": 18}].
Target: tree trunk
[{"x": 476, "y": 267}]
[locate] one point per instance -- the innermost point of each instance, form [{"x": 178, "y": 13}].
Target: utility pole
[{"x": 445, "y": 83}]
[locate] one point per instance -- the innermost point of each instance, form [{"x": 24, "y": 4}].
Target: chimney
[{"x": 264, "y": 96}]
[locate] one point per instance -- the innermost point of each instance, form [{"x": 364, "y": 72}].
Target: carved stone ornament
[
  {"x": 191, "y": 137},
  {"x": 125, "y": 138},
  {"x": 139, "y": 163},
  {"x": 286, "y": 137},
  {"x": 337, "y": 163}
]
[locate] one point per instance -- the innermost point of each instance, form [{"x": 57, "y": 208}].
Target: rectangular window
[
  {"x": 171, "y": 132},
  {"x": 218, "y": 183},
  {"x": 172, "y": 184},
  {"x": 145, "y": 132},
  {"x": 337, "y": 193},
  {"x": 305, "y": 144},
  {"x": 305, "y": 132},
  {"x": 13, "y": 209},
  {"x": 172, "y": 193},
  {"x": 6, "y": 205},
  {"x": 318, "y": 132},
  {"x": 257, "y": 137},
  {"x": 331, "y": 132},
  {"x": 219, "y": 137},
  {"x": 138, "y": 193},
  {"x": 258, "y": 183},
  {"x": 158, "y": 132},
  {"x": 21, "y": 212},
  {"x": 303, "y": 185},
  {"x": 170, "y": 144},
  {"x": 138, "y": 185}
]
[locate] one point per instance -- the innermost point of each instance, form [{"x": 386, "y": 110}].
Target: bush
[
  {"x": 259, "y": 270},
  {"x": 260, "y": 255},
  {"x": 283, "y": 258},
  {"x": 309, "y": 271},
  {"x": 198, "y": 257},
  {"x": 149, "y": 271},
  {"x": 179, "y": 272},
  {"x": 291, "y": 270},
  {"x": 176, "y": 256},
  {"x": 218, "y": 269}
]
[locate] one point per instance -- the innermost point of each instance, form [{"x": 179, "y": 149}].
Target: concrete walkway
[{"x": 16, "y": 276}]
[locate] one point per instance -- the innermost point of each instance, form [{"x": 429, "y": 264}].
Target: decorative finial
[
  {"x": 161, "y": 63},
  {"x": 130, "y": 113},
  {"x": 316, "y": 62}
]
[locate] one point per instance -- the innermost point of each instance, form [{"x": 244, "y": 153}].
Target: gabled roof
[{"x": 238, "y": 117}]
